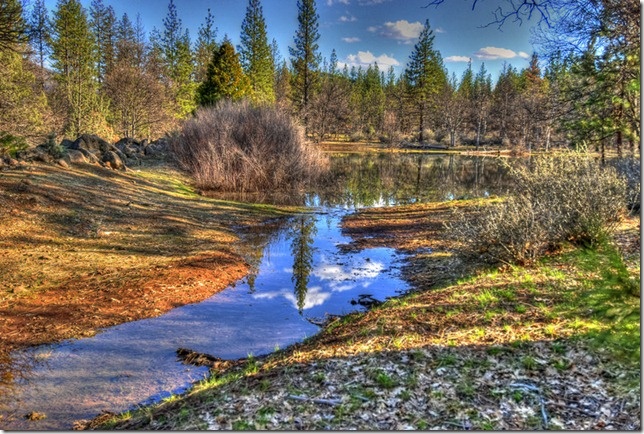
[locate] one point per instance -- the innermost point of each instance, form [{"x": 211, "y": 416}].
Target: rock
[
  {"x": 62, "y": 163},
  {"x": 91, "y": 158},
  {"x": 112, "y": 160},
  {"x": 12, "y": 162},
  {"x": 91, "y": 143},
  {"x": 66, "y": 143},
  {"x": 76, "y": 157}
]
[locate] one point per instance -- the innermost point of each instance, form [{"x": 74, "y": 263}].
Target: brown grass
[{"x": 239, "y": 148}]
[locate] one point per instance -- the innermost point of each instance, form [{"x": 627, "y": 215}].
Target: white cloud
[
  {"x": 524, "y": 55},
  {"x": 314, "y": 296},
  {"x": 440, "y": 30},
  {"x": 366, "y": 58},
  {"x": 493, "y": 53},
  {"x": 457, "y": 59},
  {"x": 347, "y": 19},
  {"x": 401, "y": 30},
  {"x": 351, "y": 40},
  {"x": 371, "y": 2},
  {"x": 332, "y": 2}
]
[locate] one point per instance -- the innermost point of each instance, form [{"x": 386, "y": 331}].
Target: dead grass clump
[
  {"x": 240, "y": 148},
  {"x": 561, "y": 199}
]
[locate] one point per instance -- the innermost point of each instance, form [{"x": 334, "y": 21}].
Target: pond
[{"x": 300, "y": 275}]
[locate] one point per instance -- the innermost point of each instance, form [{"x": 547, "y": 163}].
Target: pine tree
[
  {"x": 206, "y": 45},
  {"x": 255, "y": 54},
  {"x": 481, "y": 100},
  {"x": 179, "y": 61},
  {"x": 73, "y": 60},
  {"x": 103, "y": 27},
  {"x": 12, "y": 25},
  {"x": 426, "y": 75},
  {"x": 39, "y": 30},
  {"x": 225, "y": 78},
  {"x": 305, "y": 58}
]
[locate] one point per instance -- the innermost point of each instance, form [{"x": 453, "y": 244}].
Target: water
[{"x": 300, "y": 274}]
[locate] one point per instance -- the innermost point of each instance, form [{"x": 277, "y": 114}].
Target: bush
[
  {"x": 556, "y": 200},
  {"x": 630, "y": 170},
  {"x": 11, "y": 145},
  {"x": 240, "y": 148}
]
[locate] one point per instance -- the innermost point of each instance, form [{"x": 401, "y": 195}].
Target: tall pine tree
[
  {"x": 206, "y": 45},
  {"x": 39, "y": 30},
  {"x": 103, "y": 27},
  {"x": 256, "y": 55},
  {"x": 426, "y": 76},
  {"x": 179, "y": 61},
  {"x": 74, "y": 63},
  {"x": 305, "y": 58}
]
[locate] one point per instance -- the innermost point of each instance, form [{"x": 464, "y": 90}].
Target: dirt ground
[{"x": 86, "y": 247}]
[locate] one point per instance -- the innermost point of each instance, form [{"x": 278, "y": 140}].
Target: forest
[{"x": 75, "y": 70}]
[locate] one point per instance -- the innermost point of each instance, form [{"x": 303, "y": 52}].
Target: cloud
[
  {"x": 371, "y": 2},
  {"x": 332, "y": 2},
  {"x": 440, "y": 30},
  {"x": 366, "y": 58},
  {"x": 314, "y": 297},
  {"x": 494, "y": 53},
  {"x": 351, "y": 40},
  {"x": 401, "y": 30},
  {"x": 524, "y": 55},
  {"x": 347, "y": 19},
  {"x": 458, "y": 59}
]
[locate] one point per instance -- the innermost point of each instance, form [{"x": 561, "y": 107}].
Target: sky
[{"x": 363, "y": 31}]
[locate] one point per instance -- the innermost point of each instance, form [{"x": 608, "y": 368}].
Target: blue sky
[{"x": 363, "y": 31}]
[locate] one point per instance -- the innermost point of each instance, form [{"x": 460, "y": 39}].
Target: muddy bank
[{"x": 86, "y": 247}]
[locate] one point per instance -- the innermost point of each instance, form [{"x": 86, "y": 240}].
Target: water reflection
[
  {"x": 384, "y": 179},
  {"x": 302, "y": 232}
]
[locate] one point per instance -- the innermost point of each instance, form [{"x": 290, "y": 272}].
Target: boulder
[
  {"x": 66, "y": 143},
  {"x": 62, "y": 163},
  {"x": 91, "y": 143},
  {"x": 91, "y": 158},
  {"x": 76, "y": 157},
  {"x": 112, "y": 160}
]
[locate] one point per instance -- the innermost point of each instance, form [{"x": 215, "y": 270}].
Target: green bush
[
  {"x": 11, "y": 145},
  {"x": 555, "y": 200}
]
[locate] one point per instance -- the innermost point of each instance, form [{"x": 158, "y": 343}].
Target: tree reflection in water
[{"x": 301, "y": 233}]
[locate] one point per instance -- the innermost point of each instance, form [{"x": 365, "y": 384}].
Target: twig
[{"x": 315, "y": 400}]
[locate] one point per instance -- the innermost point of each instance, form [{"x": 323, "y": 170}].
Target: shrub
[
  {"x": 11, "y": 145},
  {"x": 630, "y": 170},
  {"x": 555, "y": 200},
  {"x": 238, "y": 147}
]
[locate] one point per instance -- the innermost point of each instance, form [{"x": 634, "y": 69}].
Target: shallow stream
[{"x": 300, "y": 275}]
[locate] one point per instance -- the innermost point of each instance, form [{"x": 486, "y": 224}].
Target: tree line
[{"x": 75, "y": 70}]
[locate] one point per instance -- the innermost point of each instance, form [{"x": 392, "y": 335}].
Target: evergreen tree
[
  {"x": 225, "y": 78},
  {"x": 73, "y": 60},
  {"x": 305, "y": 58},
  {"x": 255, "y": 53},
  {"x": 426, "y": 75},
  {"x": 103, "y": 27},
  {"x": 39, "y": 30},
  {"x": 179, "y": 61},
  {"x": 12, "y": 25},
  {"x": 206, "y": 45}
]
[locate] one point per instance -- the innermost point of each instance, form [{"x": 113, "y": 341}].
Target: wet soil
[{"x": 86, "y": 247}]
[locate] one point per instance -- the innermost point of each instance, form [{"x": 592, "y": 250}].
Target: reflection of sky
[{"x": 315, "y": 296}]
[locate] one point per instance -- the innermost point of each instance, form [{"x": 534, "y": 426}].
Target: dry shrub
[
  {"x": 556, "y": 200},
  {"x": 630, "y": 169},
  {"x": 241, "y": 148}
]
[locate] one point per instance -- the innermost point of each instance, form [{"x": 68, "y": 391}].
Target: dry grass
[
  {"x": 239, "y": 148},
  {"x": 88, "y": 247}
]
